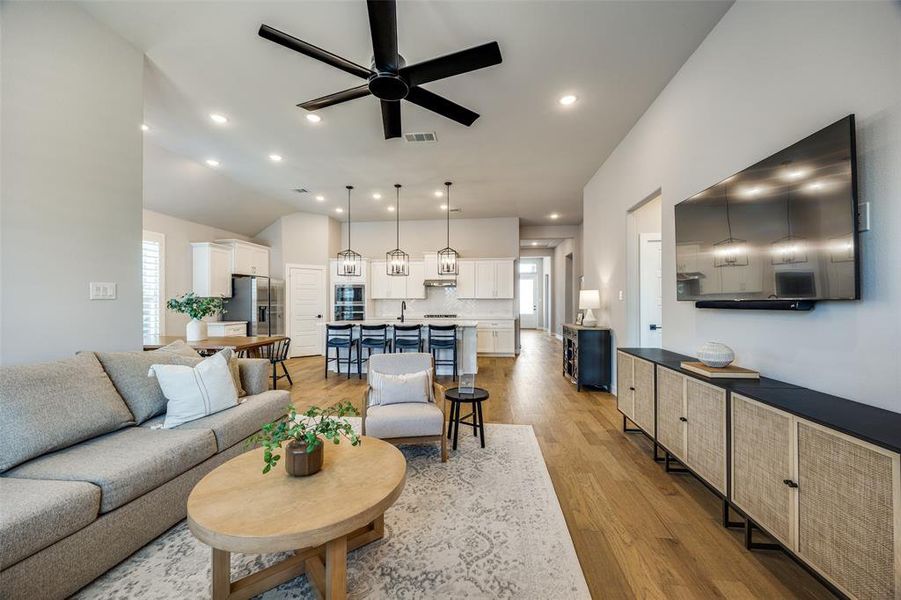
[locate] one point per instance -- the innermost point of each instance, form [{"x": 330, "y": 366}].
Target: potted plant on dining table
[{"x": 304, "y": 435}]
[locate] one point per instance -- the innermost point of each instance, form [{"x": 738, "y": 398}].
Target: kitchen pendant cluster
[{"x": 397, "y": 261}]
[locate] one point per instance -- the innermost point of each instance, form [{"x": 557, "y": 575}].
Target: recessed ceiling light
[
  {"x": 313, "y": 118},
  {"x": 567, "y": 100},
  {"x": 320, "y": 198},
  {"x": 438, "y": 193},
  {"x": 554, "y": 216},
  {"x": 390, "y": 209},
  {"x": 212, "y": 162},
  {"x": 218, "y": 119},
  {"x": 376, "y": 196},
  {"x": 145, "y": 127},
  {"x": 534, "y": 243},
  {"x": 275, "y": 157},
  {"x": 444, "y": 207},
  {"x": 339, "y": 210}
]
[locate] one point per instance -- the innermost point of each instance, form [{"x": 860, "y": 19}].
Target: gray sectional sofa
[{"x": 87, "y": 477}]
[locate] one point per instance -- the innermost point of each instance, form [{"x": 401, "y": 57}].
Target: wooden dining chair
[{"x": 277, "y": 354}]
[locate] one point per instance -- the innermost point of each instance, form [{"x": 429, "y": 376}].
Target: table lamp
[{"x": 588, "y": 300}]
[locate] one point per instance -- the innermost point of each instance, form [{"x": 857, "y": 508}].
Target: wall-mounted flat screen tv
[{"x": 782, "y": 229}]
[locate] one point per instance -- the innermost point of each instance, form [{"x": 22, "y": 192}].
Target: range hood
[{"x": 443, "y": 283}]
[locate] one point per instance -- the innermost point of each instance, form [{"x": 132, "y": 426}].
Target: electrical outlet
[
  {"x": 102, "y": 290},
  {"x": 863, "y": 216}
]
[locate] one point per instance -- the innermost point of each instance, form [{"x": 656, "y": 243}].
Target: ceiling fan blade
[
  {"x": 391, "y": 118},
  {"x": 336, "y": 98},
  {"x": 289, "y": 41},
  {"x": 383, "y": 26},
  {"x": 442, "y": 106},
  {"x": 449, "y": 65}
]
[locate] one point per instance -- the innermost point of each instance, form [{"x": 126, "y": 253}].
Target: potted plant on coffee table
[
  {"x": 304, "y": 435},
  {"x": 197, "y": 308}
]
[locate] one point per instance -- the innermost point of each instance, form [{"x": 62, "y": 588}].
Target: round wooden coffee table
[{"x": 236, "y": 508}]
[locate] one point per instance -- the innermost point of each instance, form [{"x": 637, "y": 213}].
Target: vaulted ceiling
[{"x": 527, "y": 156}]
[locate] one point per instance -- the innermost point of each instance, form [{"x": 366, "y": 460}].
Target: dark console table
[{"x": 587, "y": 355}]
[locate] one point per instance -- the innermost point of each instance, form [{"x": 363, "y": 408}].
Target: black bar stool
[
  {"x": 443, "y": 337},
  {"x": 277, "y": 354},
  {"x": 337, "y": 337},
  {"x": 372, "y": 337},
  {"x": 407, "y": 337}
]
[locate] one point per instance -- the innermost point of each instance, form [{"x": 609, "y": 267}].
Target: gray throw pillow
[
  {"x": 128, "y": 372},
  {"x": 50, "y": 406}
]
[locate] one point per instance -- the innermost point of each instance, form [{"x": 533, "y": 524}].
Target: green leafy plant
[
  {"x": 195, "y": 306},
  {"x": 307, "y": 429}
]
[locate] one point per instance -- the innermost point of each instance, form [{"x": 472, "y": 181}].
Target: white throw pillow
[
  {"x": 195, "y": 392},
  {"x": 399, "y": 389}
]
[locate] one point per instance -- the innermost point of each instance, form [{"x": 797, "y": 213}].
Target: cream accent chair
[{"x": 412, "y": 422}]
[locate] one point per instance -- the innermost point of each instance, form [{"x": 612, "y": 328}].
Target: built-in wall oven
[{"x": 350, "y": 302}]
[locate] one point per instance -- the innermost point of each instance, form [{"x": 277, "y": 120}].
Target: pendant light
[
  {"x": 731, "y": 252},
  {"x": 790, "y": 249},
  {"x": 397, "y": 262},
  {"x": 349, "y": 261},
  {"x": 447, "y": 258}
]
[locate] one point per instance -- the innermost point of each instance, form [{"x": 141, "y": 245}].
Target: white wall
[
  {"x": 301, "y": 238},
  {"x": 179, "y": 259},
  {"x": 767, "y": 75},
  {"x": 472, "y": 238},
  {"x": 71, "y": 183}
]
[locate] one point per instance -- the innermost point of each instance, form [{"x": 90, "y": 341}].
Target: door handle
[
  {"x": 683, "y": 419},
  {"x": 631, "y": 388},
  {"x": 318, "y": 316},
  {"x": 654, "y": 327},
  {"x": 790, "y": 483}
]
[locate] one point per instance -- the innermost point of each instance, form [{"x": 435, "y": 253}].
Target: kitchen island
[{"x": 466, "y": 341}]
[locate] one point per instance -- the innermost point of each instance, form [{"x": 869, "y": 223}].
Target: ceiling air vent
[
  {"x": 427, "y": 136},
  {"x": 302, "y": 190}
]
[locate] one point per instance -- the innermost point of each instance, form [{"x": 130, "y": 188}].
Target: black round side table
[{"x": 456, "y": 398}]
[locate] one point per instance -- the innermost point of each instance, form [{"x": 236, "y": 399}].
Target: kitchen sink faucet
[{"x": 403, "y": 307}]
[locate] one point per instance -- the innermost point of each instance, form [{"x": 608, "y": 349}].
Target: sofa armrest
[
  {"x": 440, "y": 399},
  {"x": 254, "y": 375}
]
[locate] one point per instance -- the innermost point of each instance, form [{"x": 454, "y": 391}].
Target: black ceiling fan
[{"x": 389, "y": 79}]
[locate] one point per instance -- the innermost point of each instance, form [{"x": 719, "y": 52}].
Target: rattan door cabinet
[{"x": 819, "y": 475}]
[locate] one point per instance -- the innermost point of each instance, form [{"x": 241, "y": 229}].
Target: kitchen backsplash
[{"x": 444, "y": 301}]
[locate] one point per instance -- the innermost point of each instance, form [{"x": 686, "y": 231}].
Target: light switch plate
[
  {"x": 620, "y": 294},
  {"x": 102, "y": 290},
  {"x": 863, "y": 216}
]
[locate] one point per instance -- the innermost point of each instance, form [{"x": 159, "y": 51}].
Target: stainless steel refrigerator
[{"x": 258, "y": 300}]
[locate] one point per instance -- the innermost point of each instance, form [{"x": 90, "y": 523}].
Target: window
[
  {"x": 528, "y": 267},
  {"x": 153, "y": 260}
]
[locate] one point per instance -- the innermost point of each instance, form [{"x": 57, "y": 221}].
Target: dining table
[{"x": 243, "y": 345}]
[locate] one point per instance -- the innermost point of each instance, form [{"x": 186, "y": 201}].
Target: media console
[{"x": 819, "y": 474}]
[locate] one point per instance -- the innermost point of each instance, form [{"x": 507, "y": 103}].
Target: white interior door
[
  {"x": 306, "y": 302},
  {"x": 650, "y": 290}
]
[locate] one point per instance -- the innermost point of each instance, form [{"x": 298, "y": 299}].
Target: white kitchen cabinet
[
  {"x": 496, "y": 337},
  {"x": 211, "y": 270},
  {"x": 494, "y": 279},
  {"x": 386, "y": 287},
  {"x": 247, "y": 258},
  {"x": 416, "y": 280},
  {"x": 466, "y": 279},
  {"x": 431, "y": 267}
]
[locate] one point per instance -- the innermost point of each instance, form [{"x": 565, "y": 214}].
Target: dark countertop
[{"x": 875, "y": 425}]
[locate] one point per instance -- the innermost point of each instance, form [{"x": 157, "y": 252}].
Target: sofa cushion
[
  {"x": 235, "y": 424},
  {"x": 404, "y": 420},
  {"x": 124, "y": 464},
  {"x": 128, "y": 372},
  {"x": 399, "y": 389},
  {"x": 254, "y": 374},
  {"x": 50, "y": 406},
  {"x": 38, "y": 513},
  {"x": 196, "y": 392}
]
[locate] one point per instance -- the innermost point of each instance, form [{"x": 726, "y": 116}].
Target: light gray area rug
[{"x": 486, "y": 524}]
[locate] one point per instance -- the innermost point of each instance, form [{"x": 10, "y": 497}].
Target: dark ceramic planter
[{"x": 299, "y": 463}]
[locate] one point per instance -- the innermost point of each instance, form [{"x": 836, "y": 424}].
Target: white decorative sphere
[{"x": 714, "y": 354}]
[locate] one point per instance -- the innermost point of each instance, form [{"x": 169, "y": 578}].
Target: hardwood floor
[{"x": 638, "y": 531}]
